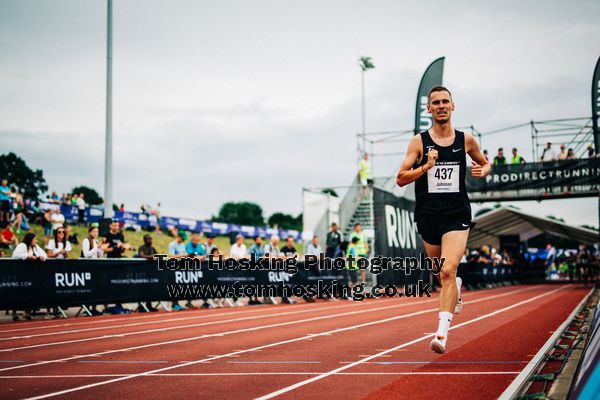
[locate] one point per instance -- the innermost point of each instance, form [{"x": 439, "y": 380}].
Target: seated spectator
[
  {"x": 59, "y": 246},
  {"x": 238, "y": 249},
  {"x": 210, "y": 244},
  {"x": 258, "y": 249},
  {"x": 28, "y": 249},
  {"x": 8, "y": 240},
  {"x": 194, "y": 248},
  {"x": 53, "y": 198},
  {"x": 57, "y": 219},
  {"x": 71, "y": 237},
  {"x": 272, "y": 249},
  {"x": 3, "y": 253},
  {"x": 146, "y": 250},
  {"x": 314, "y": 248},
  {"x": 177, "y": 250},
  {"x": 289, "y": 250},
  {"x": 177, "y": 247},
  {"x": 116, "y": 240},
  {"x": 90, "y": 247}
]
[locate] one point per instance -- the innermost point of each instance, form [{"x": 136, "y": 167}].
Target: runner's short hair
[{"x": 438, "y": 88}]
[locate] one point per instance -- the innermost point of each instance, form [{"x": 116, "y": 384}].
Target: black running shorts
[{"x": 432, "y": 232}]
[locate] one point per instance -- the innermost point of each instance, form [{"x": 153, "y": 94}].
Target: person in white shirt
[
  {"x": 29, "y": 249},
  {"x": 272, "y": 249},
  {"x": 548, "y": 154},
  {"x": 90, "y": 247},
  {"x": 238, "y": 250},
  {"x": 314, "y": 248},
  {"x": 81, "y": 209},
  {"x": 59, "y": 246},
  {"x": 57, "y": 219}
]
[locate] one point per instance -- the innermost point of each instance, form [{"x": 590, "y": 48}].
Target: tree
[
  {"x": 14, "y": 169},
  {"x": 286, "y": 221},
  {"x": 91, "y": 196},
  {"x": 243, "y": 213}
]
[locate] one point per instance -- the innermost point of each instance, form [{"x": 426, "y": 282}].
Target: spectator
[
  {"x": 146, "y": 250},
  {"x": 68, "y": 199},
  {"x": 352, "y": 267},
  {"x": 59, "y": 246},
  {"x": 313, "y": 248},
  {"x": 90, "y": 247},
  {"x": 500, "y": 159},
  {"x": 4, "y": 201},
  {"x": 177, "y": 247},
  {"x": 74, "y": 199},
  {"x": 156, "y": 213},
  {"x": 485, "y": 154},
  {"x": 177, "y": 250},
  {"x": 57, "y": 219},
  {"x": 53, "y": 198},
  {"x": 19, "y": 210},
  {"x": 362, "y": 247},
  {"x": 289, "y": 250},
  {"x": 209, "y": 246},
  {"x": 550, "y": 260},
  {"x": 238, "y": 249},
  {"x": 258, "y": 249},
  {"x": 194, "y": 248},
  {"x": 116, "y": 240},
  {"x": 29, "y": 249},
  {"x": 364, "y": 175},
  {"x": 81, "y": 209},
  {"x": 516, "y": 158},
  {"x": 548, "y": 154},
  {"x": 122, "y": 207},
  {"x": 47, "y": 225},
  {"x": 591, "y": 151},
  {"x": 272, "y": 249},
  {"x": 8, "y": 240},
  {"x": 570, "y": 154},
  {"x": 2, "y": 253},
  {"x": 334, "y": 239},
  {"x": 563, "y": 152}
]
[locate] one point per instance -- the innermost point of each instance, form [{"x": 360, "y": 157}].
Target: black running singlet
[{"x": 440, "y": 193}]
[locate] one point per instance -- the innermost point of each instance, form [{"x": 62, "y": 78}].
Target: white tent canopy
[{"x": 507, "y": 221}]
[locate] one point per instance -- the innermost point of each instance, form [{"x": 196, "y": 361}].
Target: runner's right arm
[{"x": 408, "y": 175}]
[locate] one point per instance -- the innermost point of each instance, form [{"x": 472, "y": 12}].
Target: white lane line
[
  {"x": 361, "y": 361},
  {"x": 177, "y": 341},
  {"x": 177, "y": 327},
  {"x": 297, "y": 339},
  {"x": 35, "y": 325},
  {"x": 260, "y": 373},
  {"x": 205, "y": 314}
]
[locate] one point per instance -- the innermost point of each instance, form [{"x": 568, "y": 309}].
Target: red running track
[{"x": 374, "y": 349}]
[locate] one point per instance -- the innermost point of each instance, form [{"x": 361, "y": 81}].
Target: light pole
[
  {"x": 365, "y": 64},
  {"x": 108, "y": 211}
]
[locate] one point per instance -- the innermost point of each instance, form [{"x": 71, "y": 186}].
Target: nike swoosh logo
[
  {"x": 465, "y": 225},
  {"x": 455, "y": 150}
]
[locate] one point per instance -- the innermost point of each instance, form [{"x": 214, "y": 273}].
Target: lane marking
[
  {"x": 178, "y": 327},
  {"x": 305, "y": 309},
  {"x": 259, "y": 373},
  {"x": 422, "y": 338},
  {"x": 436, "y": 362},
  {"x": 297, "y": 339}
]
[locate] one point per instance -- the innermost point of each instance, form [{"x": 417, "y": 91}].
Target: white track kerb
[{"x": 297, "y": 339}]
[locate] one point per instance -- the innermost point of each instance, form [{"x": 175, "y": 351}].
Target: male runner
[{"x": 436, "y": 160}]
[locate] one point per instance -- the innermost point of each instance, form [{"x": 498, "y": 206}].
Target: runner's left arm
[{"x": 480, "y": 167}]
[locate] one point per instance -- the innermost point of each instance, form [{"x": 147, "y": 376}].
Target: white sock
[
  {"x": 444, "y": 324},
  {"x": 459, "y": 287}
]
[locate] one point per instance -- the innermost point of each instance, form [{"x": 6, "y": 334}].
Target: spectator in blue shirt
[
  {"x": 177, "y": 247},
  {"x": 194, "y": 248},
  {"x": 4, "y": 202},
  {"x": 258, "y": 249}
]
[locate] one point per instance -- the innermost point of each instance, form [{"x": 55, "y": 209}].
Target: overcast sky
[{"x": 220, "y": 101}]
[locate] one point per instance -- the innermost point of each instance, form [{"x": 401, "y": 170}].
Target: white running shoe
[
  {"x": 438, "y": 345},
  {"x": 459, "y": 304}
]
